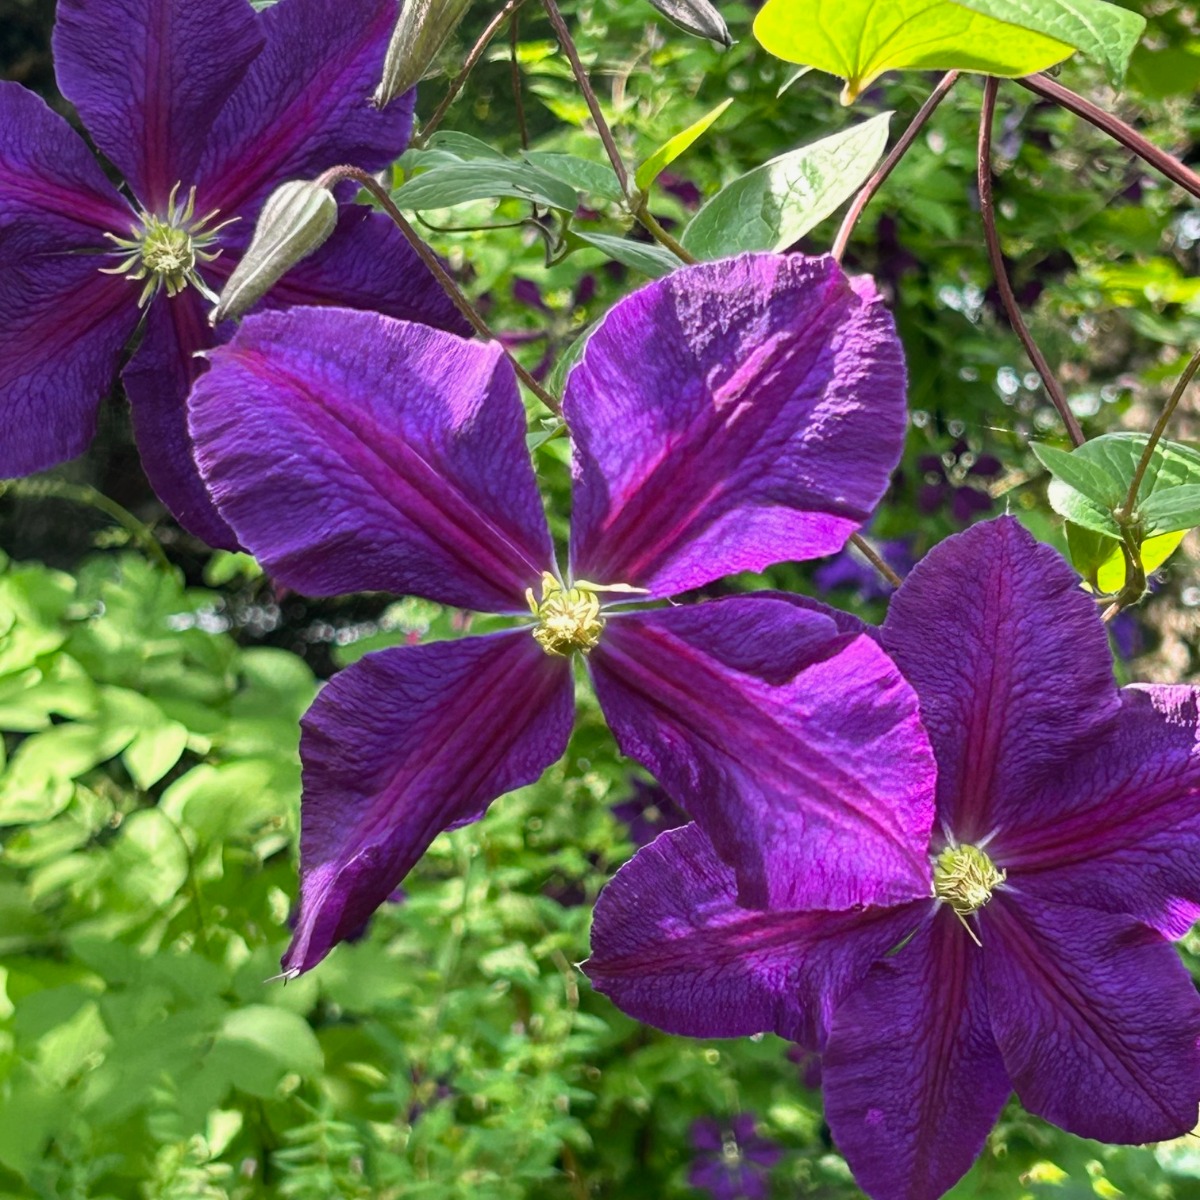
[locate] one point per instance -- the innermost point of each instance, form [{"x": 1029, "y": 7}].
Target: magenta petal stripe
[
  {"x": 304, "y": 105},
  {"x": 50, "y": 182},
  {"x": 1011, "y": 663},
  {"x": 157, "y": 381},
  {"x": 1096, "y": 1017},
  {"x": 729, "y": 416},
  {"x": 812, "y": 775},
  {"x": 672, "y": 946},
  {"x": 352, "y": 453},
  {"x": 1119, "y": 828},
  {"x": 63, "y": 326},
  {"x": 403, "y": 745},
  {"x": 148, "y": 78},
  {"x": 912, "y": 1076}
]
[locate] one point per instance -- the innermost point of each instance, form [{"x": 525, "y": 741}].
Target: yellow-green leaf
[
  {"x": 1110, "y": 578},
  {"x": 671, "y": 149},
  {"x": 860, "y": 39}
]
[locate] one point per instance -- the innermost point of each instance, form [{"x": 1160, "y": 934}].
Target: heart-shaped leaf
[{"x": 860, "y": 39}]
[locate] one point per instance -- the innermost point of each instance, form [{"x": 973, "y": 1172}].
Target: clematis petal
[
  {"x": 912, "y": 1076},
  {"x": 351, "y": 452},
  {"x": 729, "y": 416},
  {"x": 157, "y": 381},
  {"x": 404, "y": 744},
  {"x": 63, "y": 326},
  {"x": 50, "y": 182},
  {"x": 148, "y": 78},
  {"x": 1011, "y": 663},
  {"x": 1119, "y": 829},
  {"x": 368, "y": 264},
  {"x": 304, "y": 104},
  {"x": 811, "y": 775},
  {"x": 671, "y": 946},
  {"x": 1097, "y": 1019}
]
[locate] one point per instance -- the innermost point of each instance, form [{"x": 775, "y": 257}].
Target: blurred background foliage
[{"x": 149, "y": 690}]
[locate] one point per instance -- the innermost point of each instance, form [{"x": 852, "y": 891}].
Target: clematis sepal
[{"x": 295, "y": 221}]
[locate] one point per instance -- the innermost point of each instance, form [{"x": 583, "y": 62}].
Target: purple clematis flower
[
  {"x": 1035, "y": 956},
  {"x": 204, "y": 108},
  {"x": 724, "y": 418},
  {"x": 732, "y": 1161}
]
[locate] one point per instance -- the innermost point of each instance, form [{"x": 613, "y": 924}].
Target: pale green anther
[
  {"x": 965, "y": 878},
  {"x": 422, "y": 29},
  {"x": 296, "y": 219},
  {"x": 568, "y": 618},
  {"x": 162, "y": 251}
]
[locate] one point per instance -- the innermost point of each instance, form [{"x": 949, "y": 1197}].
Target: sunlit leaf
[
  {"x": 860, "y": 39},
  {"x": 771, "y": 206},
  {"x": 671, "y": 149},
  {"x": 648, "y": 257}
]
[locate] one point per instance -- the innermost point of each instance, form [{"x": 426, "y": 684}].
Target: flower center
[
  {"x": 163, "y": 251},
  {"x": 568, "y": 618},
  {"x": 965, "y": 878}
]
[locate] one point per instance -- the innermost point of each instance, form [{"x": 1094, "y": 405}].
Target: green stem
[
  {"x": 84, "y": 493},
  {"x": 1160, "y": 427}
]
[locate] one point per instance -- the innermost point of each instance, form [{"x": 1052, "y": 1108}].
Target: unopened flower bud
[
  {"x": 698, "y": 17},
  {"x": 296, "y": 219},
  {"x": 422, "y": 29}
]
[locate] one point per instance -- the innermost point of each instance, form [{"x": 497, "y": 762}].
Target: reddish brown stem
[
  {"x": 456, "y": 84},
  {"x": 1122, "y": 132},
  {"x": 987, "y": 210},
  {"x": 439, "y": 272},
  {"x": 898, "y": 151}
]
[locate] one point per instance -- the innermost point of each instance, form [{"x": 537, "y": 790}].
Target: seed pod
[
  {"x": 296, "y": 219},
  {"x": 696, "y": 16},
  {"x": 421, "y": 31}
]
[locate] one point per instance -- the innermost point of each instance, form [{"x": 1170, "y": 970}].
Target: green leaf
[
  {"x": 647, "y": 257},
  {"x": 1176, "y": 508},
  {"x": 1103, "y": 32},
  {"x": 459, "y": 183},
  {"x": 1084, "y": 474},
  {"x": 580, "y": 173},
  {"x": 1100, "y": 560},
  {"x": 671, "y": 149},
  {"x": 463, "y": 146},
  {"x": 154, "y": 751},
  {"x": 860, "y": 39},
  {"x": 259, "y": 1044},
  {"x": 771, "y": 206},
  {"x": 1093, "y": 480}
]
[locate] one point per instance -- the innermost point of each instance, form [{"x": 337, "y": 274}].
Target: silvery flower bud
[
  {"x": 696, "y": 16},
  {"x": 296, "y": 219},
  {"x": 421, "y": 31}
]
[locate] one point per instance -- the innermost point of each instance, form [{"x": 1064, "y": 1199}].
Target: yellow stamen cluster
[
  {"x": 964, "y": 877},
  {"x": 164, "y": 251},
  {"x": 568, "y": 618}
]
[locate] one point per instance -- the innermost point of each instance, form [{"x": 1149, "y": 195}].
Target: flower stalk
[
  {"x": 336, "y": 174},
  {"x": 987, "y": 211}
]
